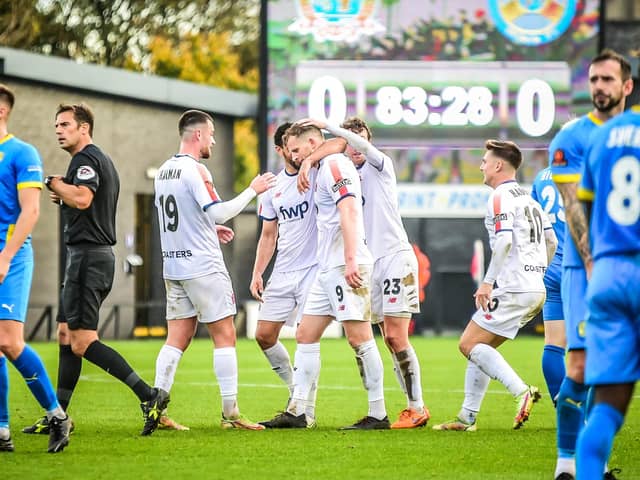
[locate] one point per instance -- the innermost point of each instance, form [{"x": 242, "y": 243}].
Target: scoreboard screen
[
  {"x": 432, "y": 82},
  {"x": 409, "y": 103}
]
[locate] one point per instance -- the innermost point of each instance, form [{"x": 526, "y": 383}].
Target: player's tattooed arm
[
  {"x": 586, "y": 207},
  {"x": 577, "y": 221}
]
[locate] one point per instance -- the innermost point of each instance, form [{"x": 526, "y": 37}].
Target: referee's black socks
[
  {"x": 113, "y": 363},
  {"x": 69, "y": 368}
]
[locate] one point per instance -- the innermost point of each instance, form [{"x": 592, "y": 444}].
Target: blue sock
[
  {"x": 4, "y": 393},
  {"x": 570, "y": 415},
  {"x": 553, "y": 369},
  {"x": 32, "y": 369},
  {"x": 595, "y": 441}
]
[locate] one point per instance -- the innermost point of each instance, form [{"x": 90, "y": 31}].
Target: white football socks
[
  {"x": 475, "y": 388},
  {"x": 225, "y": 366},
  {"x": 57, "y": 412},
  {"x": 371, "y": 371},
  {"x": 565, "y": 465},
  {"x": 489, "y": 360},
  {"x": 278, "y": 357},
  {"x": 305, "y": 374},
  {"x": 398, "y": 373},
  {"x": 406, "y": 362},
  {"x": 166, "y": 366},
  {"x": 310, "y": 406}
]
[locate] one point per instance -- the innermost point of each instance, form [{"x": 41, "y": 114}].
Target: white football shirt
[
  {"x": 512, "y": 211},
  {"x": 337, "y": 179},
  {"x": 188, "y": 238},
  {"x": 296, "y": 216},
  {"x": 382, "y": 223}
]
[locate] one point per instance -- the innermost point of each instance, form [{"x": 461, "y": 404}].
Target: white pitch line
[{"x": 348, "y": 388}]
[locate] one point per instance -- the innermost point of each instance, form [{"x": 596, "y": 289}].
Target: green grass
[{"x": 107, "y": 444}]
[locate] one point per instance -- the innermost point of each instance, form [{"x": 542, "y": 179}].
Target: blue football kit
[
  {"x": 611, "y": 179},
  {"x": 544, "y": 191},
  {"x": 566, "y": 153},
  {"x": 20, "y": 167},
  {"x": 611, "y": 182}
]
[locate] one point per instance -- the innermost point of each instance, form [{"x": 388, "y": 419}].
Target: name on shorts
[
  {"x": 535, "y": 268},
  {"x": 176, "y": 254}
]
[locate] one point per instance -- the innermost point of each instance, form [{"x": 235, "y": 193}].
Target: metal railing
[
  {"x": 47, "y": 320},
  {"x": 113, "y": 316}
]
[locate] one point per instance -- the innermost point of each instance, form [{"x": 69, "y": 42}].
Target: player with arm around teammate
[
  {"x": 394, "y": 281},
  {"x": 340, "y": 290},
  {"x": 544, "y": 192},
  {"x": 288, "y": 221},
  {"x": 610, "y": 185},
  {"x": 196, "y": 279},
  {"x": 522, "y": 244}
]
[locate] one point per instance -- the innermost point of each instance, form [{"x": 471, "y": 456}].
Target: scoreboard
[
  {"x": 409, "y": 103},
  {"x": 432, "y": 82}
]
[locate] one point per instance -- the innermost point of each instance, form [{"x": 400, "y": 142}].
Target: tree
[
  {"x": 18, "y": 26},
  {"x": 109, "y": 32},
  {"x": 214, "y": 42},
  {"x": 209, "y": 58}
]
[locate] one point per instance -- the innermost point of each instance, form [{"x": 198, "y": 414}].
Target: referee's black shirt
[{"x": 92, "y": 168}]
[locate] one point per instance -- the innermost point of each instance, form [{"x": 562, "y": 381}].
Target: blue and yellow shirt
[
  {"x": 544, "y": 192},
  {"x": 566, "y": 159},
  {"x": 611, "y": 180},
  {"x": 20, "y": 167}
]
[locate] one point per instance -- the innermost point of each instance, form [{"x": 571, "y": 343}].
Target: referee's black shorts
[{"x": 87, "y": 282}]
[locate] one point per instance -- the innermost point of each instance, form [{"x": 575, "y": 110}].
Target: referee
[{"x": 88, "y": 197}]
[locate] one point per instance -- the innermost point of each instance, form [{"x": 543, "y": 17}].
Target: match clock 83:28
[{"x": 432, "y": 100}]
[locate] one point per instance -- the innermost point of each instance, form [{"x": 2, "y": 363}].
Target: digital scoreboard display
[
  {"x": 432, "y": 82},
  {"x": 409, "y": 103}
]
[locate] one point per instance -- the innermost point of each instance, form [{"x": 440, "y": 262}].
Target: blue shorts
[
  {"x": 574, "y": 306},
  {"x": 14, "y": 291},
  {"x": 552, "y": 309},
  {"x": 613, "y": 323}
]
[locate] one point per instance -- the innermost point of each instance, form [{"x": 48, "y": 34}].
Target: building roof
[{"x": 126, "y": 84}]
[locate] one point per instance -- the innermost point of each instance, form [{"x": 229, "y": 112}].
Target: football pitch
[{"x": 107, "y": 444}]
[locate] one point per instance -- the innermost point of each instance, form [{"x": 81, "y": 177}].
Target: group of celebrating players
[{"x": 342, "y": 254}]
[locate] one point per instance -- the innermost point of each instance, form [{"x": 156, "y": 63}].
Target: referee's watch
[{"x": 47, "y": 181}]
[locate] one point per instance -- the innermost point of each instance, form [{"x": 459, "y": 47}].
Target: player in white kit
[
  {"x": 288, "y": 220},
  {"x": 196, "y": 279},
  {"x": 522, "y": 244},
  {"x": 394, "y": 283},
  {"x": 341, "y": 289}
]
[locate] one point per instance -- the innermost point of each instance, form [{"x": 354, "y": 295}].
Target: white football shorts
[
  {"x": 209, "y": 297},
  {"x": 394, "y": 286},
  {"x": 509, "y": 312},
  {"x": 285, "y": 294},
  {"x": 330, "y": 295}
]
